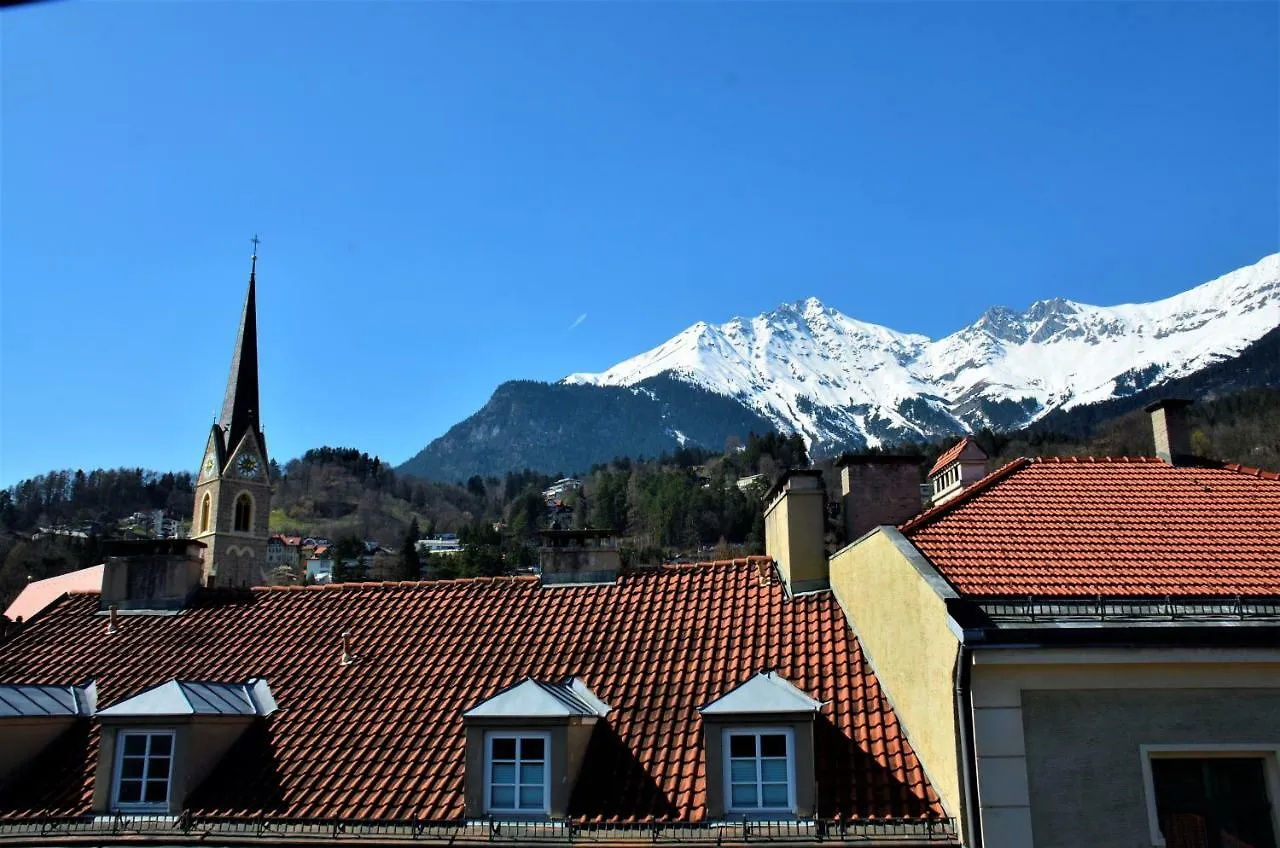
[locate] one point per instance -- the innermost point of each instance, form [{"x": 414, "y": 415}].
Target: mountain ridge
[
  {"x": 809, "y": 368},
  {"x": 849, "y": 384}
]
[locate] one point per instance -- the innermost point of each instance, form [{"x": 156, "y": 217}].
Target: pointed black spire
[{"x": 240, "y": 404}]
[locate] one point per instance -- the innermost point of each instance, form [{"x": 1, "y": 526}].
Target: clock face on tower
[
  {"x": 248, "y": 465},
  {"x": 208, "y": 465}
]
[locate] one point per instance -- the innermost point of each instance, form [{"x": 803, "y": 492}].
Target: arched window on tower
[
  {"x": 204, "y": 513},
  {"x": 244, "y": 513}
]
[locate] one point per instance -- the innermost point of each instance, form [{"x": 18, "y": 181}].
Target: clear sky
[{"x": 444, "y": 189}]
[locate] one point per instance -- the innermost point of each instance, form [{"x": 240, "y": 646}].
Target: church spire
[{"x": 240, "y": 404}]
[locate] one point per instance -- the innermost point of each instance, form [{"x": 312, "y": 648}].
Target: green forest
[{"x": 686, "y": 504}]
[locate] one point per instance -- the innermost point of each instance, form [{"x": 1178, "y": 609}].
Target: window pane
[
  {"x": 161, "y": 745},
  {"x": 158, "y": 767},
  {"x": 773, "y": 771},
  {"x": 532, "y": 773},
  {"x": 504, "y": 773},
  {"x": 531, "y": 797},
  {"x": 742, "y": 771},
  {"x": 744, "y": 796},
  {"x": 135, "y": 744},
  {"x": 773, "y": 745},
  {"x": 131, "y": 768},
  {"x": 130, "y": 791},
  {"x": 531, "y": 749},
  {"x": 774, "y": 794},
  {"x": 742, "y": 745},
  {"x": 157, "y": 791},
  {"x": 504, "y": 749},
  {"x": 502, "y": 797}
]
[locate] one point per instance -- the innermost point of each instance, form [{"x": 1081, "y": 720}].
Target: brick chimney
[
  {"x": 877, "y": 490},
  {"x": 794, "y": 523},
  {"x": 578, "y": 556},
  {"x": 1169, "y": 426}
]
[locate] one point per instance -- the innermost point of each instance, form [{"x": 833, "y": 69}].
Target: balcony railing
[{"x": 189, "y": 829}]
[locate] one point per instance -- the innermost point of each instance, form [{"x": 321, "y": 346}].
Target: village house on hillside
[{"x": 1060, "y": 653}]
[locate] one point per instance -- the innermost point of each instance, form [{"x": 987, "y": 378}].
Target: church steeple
[
  {"x": 233, "y": 488},
  {"x": 240, "y": 404}
]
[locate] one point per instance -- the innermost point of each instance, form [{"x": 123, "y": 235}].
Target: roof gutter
[{"x": 968, "y": 766}]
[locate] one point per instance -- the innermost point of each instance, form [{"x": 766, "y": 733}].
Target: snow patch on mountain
[{"x": 809, "y": 368}]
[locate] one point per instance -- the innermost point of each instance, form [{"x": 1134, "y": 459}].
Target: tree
[{"x": 410, "y": 564}]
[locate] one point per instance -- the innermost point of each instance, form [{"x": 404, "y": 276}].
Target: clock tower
[{"x": 233, "y": 487}]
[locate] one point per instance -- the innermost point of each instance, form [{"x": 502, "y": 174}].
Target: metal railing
[
  {"x": 1101, "y": 608},
  {"x": 189, "y": 829}
]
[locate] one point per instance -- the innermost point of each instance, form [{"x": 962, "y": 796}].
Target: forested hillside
[{"x": 685, "y": 503}]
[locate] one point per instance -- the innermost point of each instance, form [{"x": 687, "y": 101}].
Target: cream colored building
[{"x": 1081, "y": 652}]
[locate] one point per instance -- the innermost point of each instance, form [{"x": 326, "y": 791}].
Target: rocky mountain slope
[
  {"x": 842, "y": 383},
  {"x": 807, "y": 367}
]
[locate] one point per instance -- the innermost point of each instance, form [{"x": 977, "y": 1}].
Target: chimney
[
  {"x": 154, "y": 574},
  {"x": 876, "y": 490},
  {"x": 578, "y": 556},
  {"x": 1169, "y": 426},
  {"x": 794, "y": 524}
]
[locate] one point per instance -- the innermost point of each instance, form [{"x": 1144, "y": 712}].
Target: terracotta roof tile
[
  {"x": 1133, "y": 526},
  {"x": 383, "y": 737}
]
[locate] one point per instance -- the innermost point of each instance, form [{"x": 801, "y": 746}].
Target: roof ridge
[
  {"x": 404, "y": 584},
  {"x": 1088, "y": 459},
  {"x": 1007, "y": 470},
  {"x": 1251, "y": 471}
]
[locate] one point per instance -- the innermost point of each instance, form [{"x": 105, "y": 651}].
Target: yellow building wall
[{"x": 901, "y": 623}]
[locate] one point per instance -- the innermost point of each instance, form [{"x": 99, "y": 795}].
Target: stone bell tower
[{"x": 233, "y": 488}]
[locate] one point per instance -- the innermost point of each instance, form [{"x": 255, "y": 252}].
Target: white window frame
[
  {"x": 1269, "y": 753},
  {"x": 730, "y": 732},
  {"x": 517, "y": 811},
  {"x": 143, "y": 807}
]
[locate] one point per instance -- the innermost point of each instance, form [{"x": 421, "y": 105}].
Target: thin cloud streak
[{"x": 578, "y": 320}]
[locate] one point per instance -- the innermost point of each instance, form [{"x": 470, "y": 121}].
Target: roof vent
[{"x": 347, "y": 656}]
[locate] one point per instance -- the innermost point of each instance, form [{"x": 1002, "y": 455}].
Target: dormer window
[
  {"x": 760, "y": 752},
  {"x": 144, "y": 764},
  {"x": 516, "y": 770},
  {"x": 156, "y": 746},
  {"x": 525, "y": 746}
]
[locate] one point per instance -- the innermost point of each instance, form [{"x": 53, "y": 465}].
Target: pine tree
[{"x": 410, "y": 564}]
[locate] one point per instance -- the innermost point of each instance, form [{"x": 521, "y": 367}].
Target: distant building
[
  {"x": 560, "y": 488},
  {"x": 745, "y": 484}
]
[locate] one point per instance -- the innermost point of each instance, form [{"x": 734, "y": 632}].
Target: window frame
[
  {"x": 235, "y": 513},
  {"x": 206, "y": 509},
  {"x": 726, "y": 736},
  {"x": 517, "y": 811},
  {"x": 118, "y": 767},
  {"x": 1269, "y": 753}
]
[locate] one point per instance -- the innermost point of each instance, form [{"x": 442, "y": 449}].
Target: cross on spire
[{"x": 254, "y": 259}]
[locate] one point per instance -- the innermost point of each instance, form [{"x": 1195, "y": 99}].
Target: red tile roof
[
  {"x": 1119, "y": 526},
  {"x": 950, "y": 455},
  {"x": 38, "y": 594},
  {"x": 383, "y": 737}
]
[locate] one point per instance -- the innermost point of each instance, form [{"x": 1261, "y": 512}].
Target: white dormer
[
  {"x": 157, "y": 745},
  {"x": 760, "y": 749},
  {"x": 525, "y": 747},
  {"x": 959, "y": 467}
]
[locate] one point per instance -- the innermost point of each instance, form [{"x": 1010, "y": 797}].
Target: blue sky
[{"x": 443, "y": 190}]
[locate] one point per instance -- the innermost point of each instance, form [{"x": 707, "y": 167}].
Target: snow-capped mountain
[{"x": 841, "y": 382}]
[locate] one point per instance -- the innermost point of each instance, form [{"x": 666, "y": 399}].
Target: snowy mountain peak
[{"x": 809, "y": 368}]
